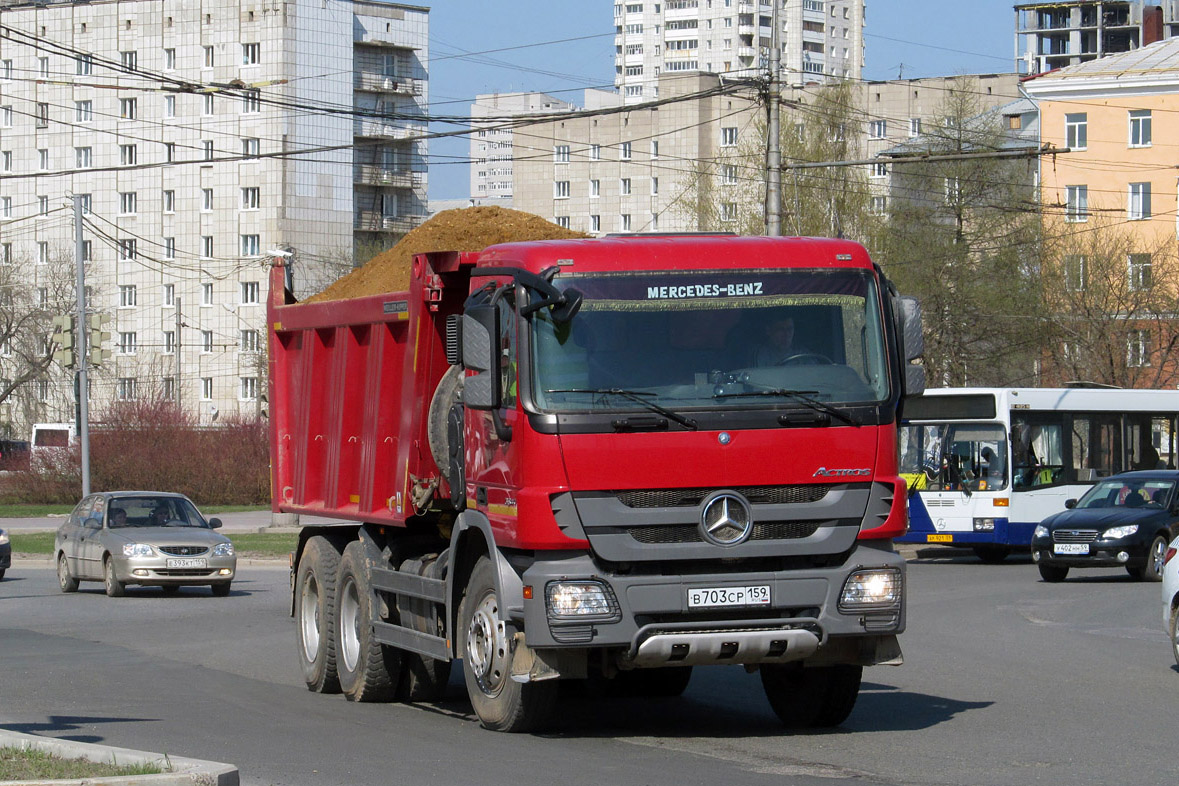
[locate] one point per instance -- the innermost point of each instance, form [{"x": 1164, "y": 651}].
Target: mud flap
[{"x": 529, "y": 665}]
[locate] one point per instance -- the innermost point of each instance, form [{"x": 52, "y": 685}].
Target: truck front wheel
[
  {"x": 315, "y": 612},
  {"x": 368, "y": 670},
  {"x": 818, "y": 697},
  {"x": 501, "y": 703}
]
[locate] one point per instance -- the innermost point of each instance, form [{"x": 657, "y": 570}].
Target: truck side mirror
[
  {"x": 912, "y": 345},
  {"x": 480, "y": 346}
]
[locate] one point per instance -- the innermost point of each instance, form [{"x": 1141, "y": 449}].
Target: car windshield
[
  {"x": 1125, "y": 493},
  {"x": 703, "y": 340},
  {"x": 958, "y": 456},
  {"x": 152, "y": 511}
]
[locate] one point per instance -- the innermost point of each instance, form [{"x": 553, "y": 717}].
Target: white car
[{"x": 1171, "y": 596}]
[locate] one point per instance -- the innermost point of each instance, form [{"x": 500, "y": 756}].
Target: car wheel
[
  {"x": 2, "y": 574},
  {"x": 368, "y": 670},
  {"x": 64, "y": 578},
  {"x": 1153, "y": 569},
  {"x": 315, "y": 613},
  {"x": 114, "y": 587},
  {"x": 1052, "y": 573},
  {"x": 501, "y": 703},
  {"x": 1175, "y": 633},
  {"x": 221, "y": 589},
  {"x": 817, "y": 697}
]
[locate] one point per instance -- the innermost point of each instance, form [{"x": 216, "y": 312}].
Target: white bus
[{"x": 986, "y": 465}]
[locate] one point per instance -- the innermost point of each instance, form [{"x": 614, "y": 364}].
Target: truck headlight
[
  {"x": 984, "y": 525},
  {"x": 580, "y": 600},
  {"x": 872, "y": 589},
  {"x": 136, "y": 550}
]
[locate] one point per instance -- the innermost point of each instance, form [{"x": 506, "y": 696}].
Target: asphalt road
[{"x": 1007, "y": 681}]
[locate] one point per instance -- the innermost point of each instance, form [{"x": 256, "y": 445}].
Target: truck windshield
[{"x": 698, "y": 340}]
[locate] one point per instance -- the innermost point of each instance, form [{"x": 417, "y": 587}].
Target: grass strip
[
  {"x": 23, "y": 511},
  {"x": 249, "y": 545},
  {"x": 17, "y": 764}
]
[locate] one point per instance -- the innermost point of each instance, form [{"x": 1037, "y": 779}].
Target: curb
[{"x": 181, "y": 771}]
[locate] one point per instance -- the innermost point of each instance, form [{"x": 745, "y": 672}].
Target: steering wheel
[{"x": 806, "y": 357}]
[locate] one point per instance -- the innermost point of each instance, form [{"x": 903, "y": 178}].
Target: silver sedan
[{"x": 142, "y": 537}]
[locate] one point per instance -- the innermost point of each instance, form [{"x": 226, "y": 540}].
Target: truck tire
[
  {"x": 501, "y": 703},
  {"x": 315, "y": 615},
  {"x": 818, "y": 698},
  {"x": 422, "y": 678},
  {"x": 368, "y": 669}
]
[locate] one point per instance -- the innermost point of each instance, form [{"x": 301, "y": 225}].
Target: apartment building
[
  {"x": 1058, "y": 34},
  {"x": 819, "y": 39},
  {"x": 203, "y": 139},
  {"x": 491, "y": 144}
]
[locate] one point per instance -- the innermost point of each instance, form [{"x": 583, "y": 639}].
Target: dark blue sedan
[{"x": 1125, "y": 521}]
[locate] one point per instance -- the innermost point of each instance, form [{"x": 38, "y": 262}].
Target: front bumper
[
  {"x": 1102, "y": 554},
  {"x": 154, "y": 571},
  {"x": 651, "y": 623}
]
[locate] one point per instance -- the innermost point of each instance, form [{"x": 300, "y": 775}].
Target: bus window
[
  {"x": 1096, "y": 446},
  {"x": 965, "y": 456},
  {"x": 1037, "y": 453},
  {"x": 1150, "y": 441}
]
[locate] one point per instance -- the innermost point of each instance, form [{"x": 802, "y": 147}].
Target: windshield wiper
[
  {"x": 637, "y": 397},
  {"x": 802, "y": 396}
]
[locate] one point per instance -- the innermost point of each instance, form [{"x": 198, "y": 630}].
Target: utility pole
[
  {"x": 773, "y": 151},
  {"x": 82, "y": 339}
]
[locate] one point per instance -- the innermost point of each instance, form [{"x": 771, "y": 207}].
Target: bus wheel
[
  {"x": 1052, "y": 573},
  {"x": 818, "y": 697},
  {"x": 992, "y": 555},
  {"x": 501, "y": 703}
]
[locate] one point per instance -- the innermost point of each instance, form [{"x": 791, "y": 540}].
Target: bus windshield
[
  {"x": 954, "y": 457},
  {"x": 699, "y": 340}
]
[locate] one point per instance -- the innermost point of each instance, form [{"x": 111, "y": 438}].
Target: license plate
[
  {"x": 756, "y": 595},
  {"x": 1070, "y": 548},
  {"x": 939, "y": 538},
  {"x": 187, "y": 563}
]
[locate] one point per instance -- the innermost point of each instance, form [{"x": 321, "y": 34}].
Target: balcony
[
  {"x": 376, "y": 175},
  {"x": 379, "y": 83},
  {"x": 372, "y": 221},
  {"x": 378, "y": 129}
]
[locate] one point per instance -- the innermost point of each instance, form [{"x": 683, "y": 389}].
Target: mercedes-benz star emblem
[{"x": 726, "y": 520}]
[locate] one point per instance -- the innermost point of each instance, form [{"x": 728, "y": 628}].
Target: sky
[{"x": 561, "y": 47}]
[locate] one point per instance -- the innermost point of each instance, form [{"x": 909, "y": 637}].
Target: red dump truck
[{"x": 598, "y": 459}]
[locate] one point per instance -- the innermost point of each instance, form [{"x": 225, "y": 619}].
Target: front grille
[
  {"x": 1074, "y": 536},
  {"x": 940, "y": 503},
  {"x": 757, "y": 495},
  {"x": 184, "y": 551},
  {"x": 177, "y": 572},
  {"x": 690, "y": 533}
]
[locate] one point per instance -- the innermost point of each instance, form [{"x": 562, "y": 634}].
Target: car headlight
[
  {"x": 1040, "y": 532},
  {"x": 580, "y": 600},
  {"x": 223, "y": 550},
  {"x": 3, "y": 537},
  {"x": 137, "y": 550},
  {"x": 1125, "y": 531},
  {"x": 871, "y": 589}
]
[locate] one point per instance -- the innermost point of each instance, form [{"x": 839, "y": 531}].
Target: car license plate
[
  {"x": 939, "y": 538},
  {"x": 1070, "y": 548},
  {"x": 187, "y": 563},
  {"x": 702, "y": 597}
]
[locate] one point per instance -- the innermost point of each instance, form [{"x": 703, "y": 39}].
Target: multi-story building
[
  {"x": 819, "y": 39},
  {"x": 491, "y": 144},
  {"x": 1057, "y": 34},
  {"x": 203, "y": 138}
]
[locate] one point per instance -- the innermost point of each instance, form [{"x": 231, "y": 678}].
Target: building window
[
  {"x": 1076, "y": 130},
  {"x": 206, "y": 199},
  {"x": 209, "y": 59},
  {"x": 877, "y": 129},
  {"x": 561, "y": 189},
  {"x": 6, "y": 207},
  {"x": 169, "y": 152},
  {"x": 595, "y": 153},
  {"x": 625, "y": 151},
  {"x": 127, "y": 389},
  {"x": 83, "y": 158},
  {"x": 250, "y": 245},
  {"x": 251, "y": 53},
  {"x": 43, "y": 158},
  {"x": 624, "y": 186},
  {"x": 83, "y": 111},
  {"x": 169, "y": 201},
  {"x": 169, "y": 106},
  {"x": 914, "y": 126},
  {"x": 207, "y": 147},
  {"x": 1076, "y": 203},
  {"x": 86, "y": 249},
  {"x": 6, "y": 116},
  {"x": 879, "y": 169},
  {"x": 128, "y": 108},
  {"x": 1138, "y": 206},
  {"x": 879, "y": 205},
  {"x": 207, "y": 290},
  {"x": 127, "y": 249},
  {"x": 206, "y": 388},
  {"x": 128, "y": 203},
  {"x": 250, "y": 198},
  {"x": 561, "y": 154},
  {"x": 729, "y": 136},
  {"x": 43, "y": 205},
  {"x": 654, "y": 149},
  {"x": 207, "y": 249},
  {"x": 169, "y": 342},
  {"x": 169, "y": 391},
  {"x": 953, "y": 188},
  {"x": 595, "y": 223},
  {"x": 1140, "y": 278},
  {"x": 128, "y": 343},
  {"x": 250, "y": 147},
  {"x": 625, "y": 222},
  {"x": 1074, "y": 273},
  {"x": 128, "y": 155},
  {"x": 251, "y": 101},
  {"x": 729, "y": 211},
  {"x": 127, "y": 296},
  {"x": 170, "y": 59},
  {"x": 7, "y": 162},
  {"x": 563, "y": 222},
  {"x": 249, "y": 388},
  {"x": 129, "y": 60},
  {"x": 595, "y": 188},
  {"x": 169, "y": 250},
  {"x": 1137, "y": 349},
  {"x": 654, "y": 186},
  {"x": 1140, "y": 128},
  {"x": 249, "y": 341},
  {"x": 729, "y": 174},
  {"x": 42, "y": 115},
  {"x": 169, "y": 294},
  {"x": 206, "y": 341},
  {"x": 208, "y": 102}
]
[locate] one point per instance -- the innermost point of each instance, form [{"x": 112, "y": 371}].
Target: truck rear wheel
[
  {"x": 501, "y": 703},
  {"x": 422, "y": 678},
  {"x": 368, "y": 669},
  {"x": 818, "y": 697},
  {"x": 315, "y": 612}
]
